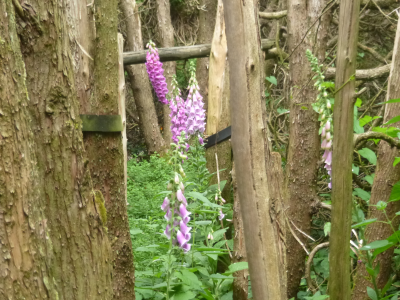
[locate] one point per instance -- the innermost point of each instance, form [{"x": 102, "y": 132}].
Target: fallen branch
[
  {"x": 366, "y": 74},
  {"x": 310, "y": 283},
  {"x": 273, "y": 15},
  {"x": 372, "y": 52},
  {"x": 360, "y": 184},
  {"x": 359, "y": 138},
  {"x": 181, "y": 53}
]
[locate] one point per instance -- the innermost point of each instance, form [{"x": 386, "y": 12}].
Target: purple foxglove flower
[
  {"x": 165, "y": 204},
  {"x": 210, "y": 236},
  {"x": 176, "y": 178},
  {"x": 223, "y": 200},
  {"x": 156, "y": 73},
  {"x": 325, "y": 155},
  {"x": 323, "y": 133},
  {"x": 181, "y": 197},
  {"x": 183, "y": 212},
  {"x": 194, "y": 108},
  {"x": 221, "y": 215},
  {"x": 328, "y": 126},
  {"x": 186, "y": 248},
  {"x": 328, "y": 159},
  {"x": 167, "y": 231},
  {"x": 329, "y": 144},
  {"x": 185, "y": 229},
  {"x": 323, "y": 144},
  {"x": 201, "y": 140},
  {"x": 181, "y": 238},
  {"x": 328, "y": 135},
  {"x": 168, "y": 215},
  {"x": 330, "y": 185}
]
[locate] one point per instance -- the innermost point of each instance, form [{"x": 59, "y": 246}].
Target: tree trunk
[
  {"x": 258, "y": 185},
  {"x": 339, "y": 250},
  {"x": 105, "y": 150},
  {"x": 385, "y": 177},
  {"x": 54, "y": 244},
  {"x": 304, "y": 142},
  {"x": 218, "y": 115},
  {"x": 139, "y": 81},
  {"x": 167, "y": 40},
  {"x": 241, "y": 281},
  {"x": 207, "y": 21}
]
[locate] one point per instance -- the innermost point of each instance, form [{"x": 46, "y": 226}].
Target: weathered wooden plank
[
  {"x": 102, "y": 123},
  {"x": 180, "y": 53}
]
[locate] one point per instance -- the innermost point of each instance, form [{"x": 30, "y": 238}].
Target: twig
[
  {"x": 295, "y": 236},
  {"x": 310, "y": 283},
  {"x": 360, "y": 184},
  {"x": 273, "y": 15},
  {"x": 305, "y": 234},
  {"x": 358, "y": 138}
]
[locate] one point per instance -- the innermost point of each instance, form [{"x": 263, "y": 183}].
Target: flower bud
[
  {"x": 182, "y": 187},
  {"x": 177, "y": 178},
  {"x": 328, "y": 104}
]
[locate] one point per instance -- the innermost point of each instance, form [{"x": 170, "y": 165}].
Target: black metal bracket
[{"x": 217, "y": 138}]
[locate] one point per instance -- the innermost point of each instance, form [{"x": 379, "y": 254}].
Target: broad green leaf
[
  {"x": 203, "y": 199},
  {"x": 383, "y": 249},
  {"x": 356, "y": 127},
  {"x": 212, "y": 256},
  {"x": 395, "y": 194},
  {"x": 375, "y": 245},
  {"x": 387, "y": 286},
  {"x": 396, "y": 161},
  {"x": 362, "y": 194},
  {"x": 393, "y": 120},
  {"x": 202, "y": 249},
  {"x": 206, "y": 212},
  {"x": 392, "y": 101},
  {"x": 358, "y": 102},
  {"x": 190, "y": 279},
  {"x": 202, "y": 222},
  {"x": 219, "y": 234},
  {"x": 135, "y": 231},
  {"x": 239, "y": 266},
  {"x": 282, "y": 110},
  {"x": 355, "y": 169},
  {"x": 184, "y": 295},
  {"x": 272, "y": 79},
  {"x": 369, "y": 178},
  {"x": 327, "y": 228},
  {"x": 365, "y": 120},
  {"x": 368, "y": 154},
  {"x": 391, "y": 131},
  {"x": 363, "y": 223},
  {"x": 220, "y": 276},
  {"x": 371, "y": 293},
  {"x": 227, "y": 296}
]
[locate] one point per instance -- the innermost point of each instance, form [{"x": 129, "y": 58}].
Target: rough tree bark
[
  {"x": 53, "y": 241},
  {"x": 385, "y": 177},
  {"x": 207, "y": 20},
  {"x": 167, "y": 40},
  {"x": 105, "y": 150},
  {"x": 139, "y": 80},
  {"x": 258, "y": 183},
  {"x": 339, "y": 250},
  {"x": 304, "y": 142}
]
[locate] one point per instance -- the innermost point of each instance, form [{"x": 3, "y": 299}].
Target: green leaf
[
  {"x": 202, "y": 222},
  {"x": 395, "y": 194},
  {"x": 227, "y": 296},
  {"x": 391, "y": 131},
  {"x": 239, "y": 266},
  {"x": 368, "y": 154},
  {"x": 392, "y": 101},
  {"x": 203, "y": 199},
  {"x": 365, "y": 120},
  {"x": 220, "y": 276},
  {"x": 369, "y": 178},
  {"x": 363, "y": 223},
  {"x": 272, "y": 79},
  {"x": 387, "y": 286},
  {"x": 383, "y": 249},
  {"x": 356, "y": 127},
  {"x": 190, "y": 279},
  {"x": 375, "y": 245},
  {"x": 282, "y": 110},
  {"x": 202, "y": 249},
  {"x": 135, "y": 231},
  {"x": 355, "y": 169},
  {"x": 362, "y": 194},
  {"x": 184, "y": 295},
  {"x": 371, "y": 293},
  {"x": 327, "y": 228},
  {"x": 393, "y": 120},
  {"x": 358, "y": 102},
  {"x": 396, "y": 161}
]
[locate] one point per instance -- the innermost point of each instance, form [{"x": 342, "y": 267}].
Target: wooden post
[
  {"x": 339, "y": 254},
  {"x": 257, "y": 182}
]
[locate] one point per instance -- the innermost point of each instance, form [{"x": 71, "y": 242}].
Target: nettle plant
[{"x": 364, "y": 165}]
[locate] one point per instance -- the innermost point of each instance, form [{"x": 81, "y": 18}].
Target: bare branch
[
  {"x": 366, "y": 74},
  {"x": 358, "y": 138},
  {"x": 273, "y": 15},
  {"x": 372, "y": 52},
  {"x": 310, "y": 283}
]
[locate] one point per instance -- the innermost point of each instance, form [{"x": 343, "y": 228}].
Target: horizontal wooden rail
[{"x": 181, "y": 53}]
